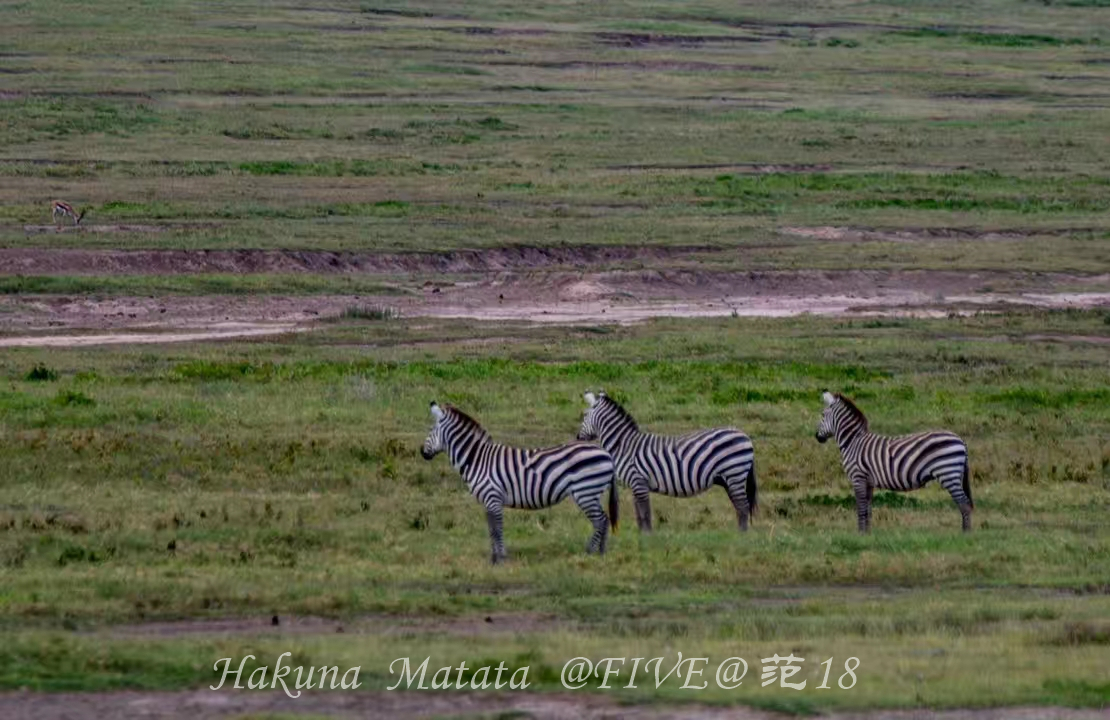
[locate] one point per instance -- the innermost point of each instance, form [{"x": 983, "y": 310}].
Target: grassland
[
  {"x": 146, "y": 489},
  {"x": 351, "y": 127},
  {"x": 245, "y": 480}
]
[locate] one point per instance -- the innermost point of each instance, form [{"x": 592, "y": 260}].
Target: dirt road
[{"x": 545, "y": 296}]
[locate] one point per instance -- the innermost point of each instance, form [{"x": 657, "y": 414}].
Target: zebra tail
[
  {"x": 614, "y": 504},
  {"x": 752, "y": 490},
  {"x": 967, "y": 482}
]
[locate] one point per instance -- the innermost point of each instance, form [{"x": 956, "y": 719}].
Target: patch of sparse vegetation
[
  {"x": 67, "y": 398},
  {"x": 996, "y": 39},
  {"x": 41, "y": 373},
  {"x": 377, "y": 313}
]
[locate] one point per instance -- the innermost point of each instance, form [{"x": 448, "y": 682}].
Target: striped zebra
[
  {"x": 679, "y": 466},
  {"x": 894, "y": 463},
  {"x": 500, "y": 476}
]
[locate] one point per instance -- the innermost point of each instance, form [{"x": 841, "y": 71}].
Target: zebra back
[
  {"x": 520, "y": 477},
  {"x": 679, "y": 465},
  {"x": 902, "y": 462}
]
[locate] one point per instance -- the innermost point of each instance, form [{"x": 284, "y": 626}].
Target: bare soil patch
[
  {"x": 131, "y": 338},
  {"x": 115, "y": 94},
  {"x": 501, "y": 31},
  {"x": 644, "y": 65},
  {"x": 628, "y": 39},
  {"x": 743, "y": 168},
  {"x": 981, "y": 95},
  {"x": 558, "y": 296},
  {"x": 40, "y": 229},
  {"x": 1088, "y": 339},
  {"x": 206, "y": 704},
  {"x": 216, "y": 314},
  {"x": 774, "y": 25},
  {"x": 911, "y": 235}
]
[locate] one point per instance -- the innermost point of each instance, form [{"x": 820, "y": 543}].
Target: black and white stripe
[
  {"x": 680, "y": 466},
  {"x": 894, "y": 463},
  {"x": 500, "y": 476}
]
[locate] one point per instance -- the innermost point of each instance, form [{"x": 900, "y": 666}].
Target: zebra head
[
  {"x": 435, "y": 444},
  {"x": 589, "y": 429},
  {"x": 455, "y": 433},
  {"x": 605, "y": 421},
  {"x": 827, "y": 428},
  {"x": 841, "y": 419}
]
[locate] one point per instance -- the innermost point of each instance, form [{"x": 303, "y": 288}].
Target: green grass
[{"x": 249, "y": 479}]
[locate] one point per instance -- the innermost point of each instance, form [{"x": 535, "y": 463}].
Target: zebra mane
[
  {"x": 853, "y": 410},
  {"x": 619, "y": 410},
  {"x": 466, "y": 421}
]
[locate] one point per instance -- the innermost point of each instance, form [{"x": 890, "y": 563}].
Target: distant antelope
[{"x": 63, "y": 209}]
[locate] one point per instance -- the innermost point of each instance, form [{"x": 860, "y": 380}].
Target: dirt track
[
  {"x": 526, "y": 284},
  {"x": 133, "y": 338},
  {"x": 209, "y": 705},
  {"x": 553, "y": 296}
]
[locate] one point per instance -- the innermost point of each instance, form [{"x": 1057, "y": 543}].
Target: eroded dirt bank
[{"x": 42, "y": 261}]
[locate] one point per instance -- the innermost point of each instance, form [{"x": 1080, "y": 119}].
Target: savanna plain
[{"x": 304, "y": 221}]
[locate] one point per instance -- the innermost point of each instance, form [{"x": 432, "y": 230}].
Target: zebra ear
[
  {"x": 828, "y": 398},
  {"x": 437, "y": 412},
  {"x": 591, "y": 399}
]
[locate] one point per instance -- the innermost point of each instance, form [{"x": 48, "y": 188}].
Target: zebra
[
  {"x": 680, "y": 466},
  {"x": 894, "y": 463},
  {"x": 501, "y": 476}
]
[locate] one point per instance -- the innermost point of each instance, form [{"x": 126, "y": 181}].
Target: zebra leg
[
  {"x": 864, "y": 492},
  {"x": 642, "y": 497},
  {"x": 591, "y": 506},
  {"x": 495, "y": 517},
  {"x": 954, "y": 483},
  {"x": 736, "y": 487}
]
